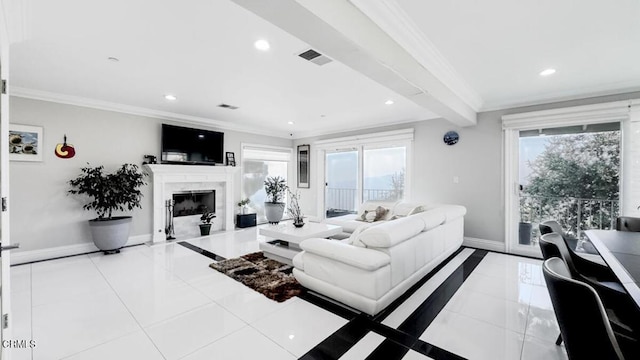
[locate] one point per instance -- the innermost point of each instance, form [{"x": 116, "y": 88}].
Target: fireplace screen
[{"x": 194, "y": 202}]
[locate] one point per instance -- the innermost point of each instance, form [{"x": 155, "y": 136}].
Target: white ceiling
[
  {"x": 202, "y": 51},
  {"x": 499, "y": 47}
]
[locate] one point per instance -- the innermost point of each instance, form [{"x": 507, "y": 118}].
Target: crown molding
[
  {"x": 338, "y": 130},
  {"x": 139, "y": 111},
  {"x": 554, "y": 97},
  {"x": 393, "y": 20}
]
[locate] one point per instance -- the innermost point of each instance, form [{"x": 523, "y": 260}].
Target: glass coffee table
[{"x": 284, "y": 238}]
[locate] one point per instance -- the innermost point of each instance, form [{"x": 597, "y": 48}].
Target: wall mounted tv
[{"x": 181, "y": 145}]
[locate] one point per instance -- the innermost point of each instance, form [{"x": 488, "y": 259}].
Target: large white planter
[
  {"x": 273, "y": 212},
  {"x": 110, "y": 235}
]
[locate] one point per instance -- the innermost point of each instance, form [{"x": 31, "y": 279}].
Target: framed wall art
[
  {"x": 231, "y": 159},
  {"x": 25, "y": 142},
  {"x": 303, "y": 166}
]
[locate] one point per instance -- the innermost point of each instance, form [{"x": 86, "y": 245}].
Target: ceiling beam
[{"x": 341, "y": 31}]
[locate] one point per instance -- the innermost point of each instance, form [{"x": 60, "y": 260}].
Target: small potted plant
[
  {"x": 206, "y": 218},
  {"x": 294, "y": 209},
  {"x": 108, "y": 193},
  {"x": 243, "y": 205},
  {"x": 525, "y": 227},
  {"x": 274, "y": 207}
]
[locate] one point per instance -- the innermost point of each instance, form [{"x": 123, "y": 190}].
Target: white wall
[
  {"x": 476, "y": 160},
  {"x": 42, "y": 214}
]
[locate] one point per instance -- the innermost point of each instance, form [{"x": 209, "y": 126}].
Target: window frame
[
  {"x": 261, "y": 147},
  {"x": 395, "y": 138},
  {"x": 624, "y": 112}
]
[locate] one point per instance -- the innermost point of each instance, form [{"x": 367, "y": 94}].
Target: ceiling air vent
[
  {"x": 227, "y": 106},
  {"x": 315, "y": 57}
]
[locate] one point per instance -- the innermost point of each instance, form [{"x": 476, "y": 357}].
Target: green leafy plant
[
  {"x": 207, "y": 216},
  {"x": 109, "y": 192},
  {"x": 275, "y": 188},
  {"x": 244, "y": 202}
]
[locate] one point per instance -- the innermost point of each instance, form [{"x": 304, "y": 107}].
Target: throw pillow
[
  {"x": 381, "y": 213},
  {"x": 370, "y": 216}
]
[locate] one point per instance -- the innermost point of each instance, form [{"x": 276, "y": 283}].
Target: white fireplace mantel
[{"x": 164, "y": 177}]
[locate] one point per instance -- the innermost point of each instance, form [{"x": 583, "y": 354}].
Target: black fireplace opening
[{"x": 189, "y": 203}]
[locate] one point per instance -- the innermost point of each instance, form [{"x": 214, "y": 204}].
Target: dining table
[{"x": 621, "y": 252}]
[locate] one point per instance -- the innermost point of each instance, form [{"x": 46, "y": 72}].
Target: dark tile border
[
  {"x": 396, "y": 303},
  {"x": 68, "y": 256},
  {"x": 201, "y": 251},
  {"x": 398, "y": 342}
]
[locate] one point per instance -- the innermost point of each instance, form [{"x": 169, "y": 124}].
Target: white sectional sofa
[
  {"x": 378, "y": 263},
  {"x": 350, "y": 223}
]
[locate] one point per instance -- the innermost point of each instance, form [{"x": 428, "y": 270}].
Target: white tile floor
[{"x": 164, "y": 302}]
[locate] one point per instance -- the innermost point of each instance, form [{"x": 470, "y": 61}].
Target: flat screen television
[{"x": 181, "y": 145}]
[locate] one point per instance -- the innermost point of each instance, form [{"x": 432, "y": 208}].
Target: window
[
  {"x": 366, "y": 167},
  {"x": 383, "y": 175},
  {"x": 258, "y": 163}
]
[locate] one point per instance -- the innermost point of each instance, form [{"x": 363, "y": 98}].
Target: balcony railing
[
  {"x": 342, "y": 201},
  {"x": 574, "y": 214}
]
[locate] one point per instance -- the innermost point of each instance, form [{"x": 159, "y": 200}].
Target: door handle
[{"x": 10, "y": 247}]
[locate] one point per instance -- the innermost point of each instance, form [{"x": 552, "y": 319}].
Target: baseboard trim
[
  {"x": 483, "y": 244},
  {"x": 29, "y": 256}
]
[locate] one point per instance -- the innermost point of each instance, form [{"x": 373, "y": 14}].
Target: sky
[
  {"x": 530, "y": 148},
  {"x": 379, "y": 166}
]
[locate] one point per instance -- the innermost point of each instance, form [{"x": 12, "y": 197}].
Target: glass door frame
[
  {"x": 403, "y": 137},
  {"x": 358, "y": 150},
  {"x": 513, "y": 124}
]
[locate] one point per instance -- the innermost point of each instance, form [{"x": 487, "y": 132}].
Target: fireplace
[
  {"x": 187, "y": 203},
  {"x": 189, "y": 179}
]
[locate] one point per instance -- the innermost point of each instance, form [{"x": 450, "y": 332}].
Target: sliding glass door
[
  {"x": 352, "y": 176},
  {"x": 568, "y": 174},
  {"x": 341, "y": 182},
  {"x": 384, "y": 173}
]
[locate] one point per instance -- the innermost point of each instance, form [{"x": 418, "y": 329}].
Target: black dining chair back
[
  {"x": 582, "y": 318},
  {"x": 628, "y": 223},
  {"x": 550, "y": 226},
  {"x": 548, "y": 245},
  {"x": 554, "y": 244}
]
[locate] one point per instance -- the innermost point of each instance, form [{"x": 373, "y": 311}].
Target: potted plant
[
  {"x": 206, "y": 218},
  {"x": 243, "y": 205},
  {"x": 109, "y": 192},
  {"x": 274, "y": 207},
  {"x": 526, "y": 215},
  {"x": 294, "y": 209}
]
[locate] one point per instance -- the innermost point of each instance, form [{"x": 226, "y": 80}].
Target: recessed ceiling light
[
  {"x": 113, "y": 59},
  {"x": 388, "y": 102},
  {"x": 262, "y": 45},
  {"x": 547, "y": 72},
  {"x": 290, "y": 122},
  {"x": 170, "y": 97}
]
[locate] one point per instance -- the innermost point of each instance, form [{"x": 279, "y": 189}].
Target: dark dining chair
[
  {"x": 628, "y": 223},
  {"x": 550, "y": 226},
  {"x": 581, "y": 316},
  {"x": 598, "y": 276},
  {"x": 623, "y": 314}
]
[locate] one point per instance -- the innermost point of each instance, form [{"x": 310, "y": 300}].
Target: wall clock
[{"x": 451, "y": 138}]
